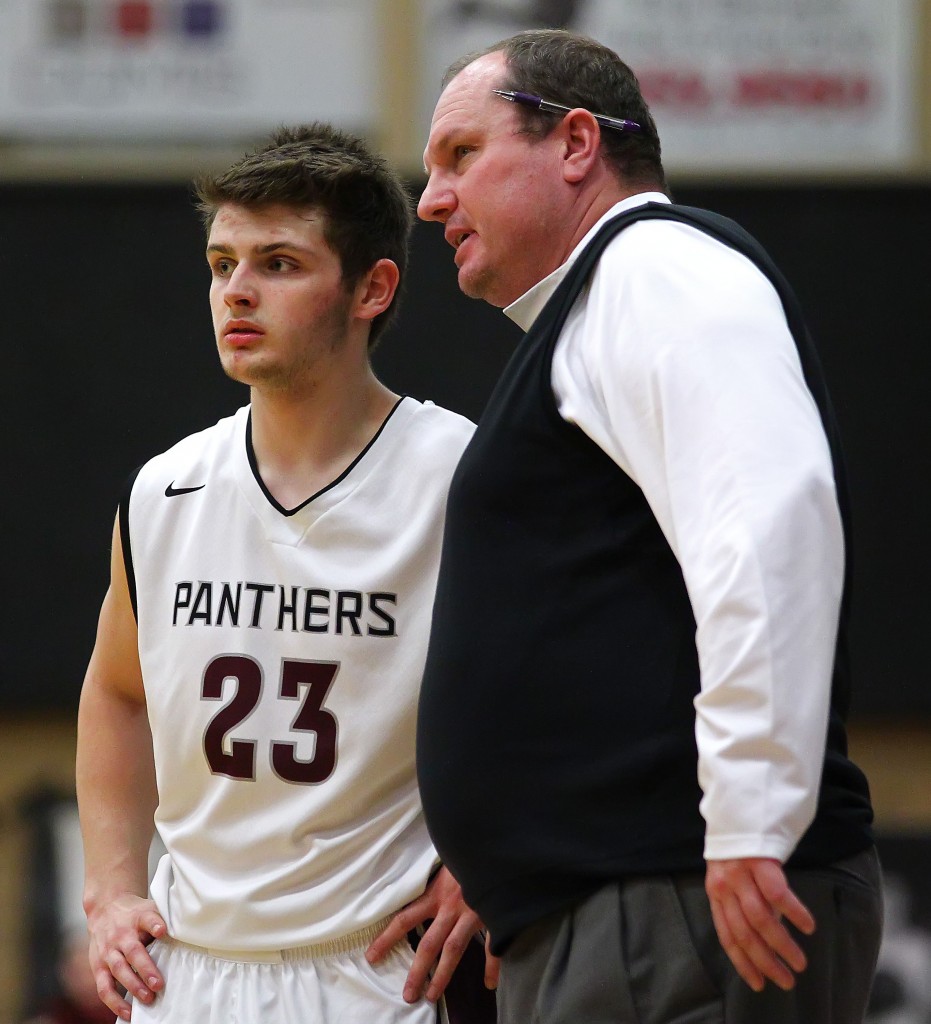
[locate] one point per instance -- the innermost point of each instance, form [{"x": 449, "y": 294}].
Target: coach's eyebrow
[{"x": 439, "y": 144}]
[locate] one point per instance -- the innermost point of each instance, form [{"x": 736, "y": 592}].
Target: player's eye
[{"x": 279, "y": 265}]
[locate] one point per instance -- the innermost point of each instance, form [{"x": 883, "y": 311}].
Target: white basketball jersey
[{"x": 282, "y": 654}]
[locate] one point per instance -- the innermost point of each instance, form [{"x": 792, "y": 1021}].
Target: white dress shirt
[{"x": 678, "y": 362}]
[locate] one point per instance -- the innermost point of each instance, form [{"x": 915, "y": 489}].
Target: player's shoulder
[
  {"x": 196, "y": 455},
  {"x": 439, "y": 420},
  {"x": 424, "y": 438},
  {"x": 433, "y": 426}
]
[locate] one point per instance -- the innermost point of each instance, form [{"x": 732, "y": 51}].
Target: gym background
[{"x": 109, "y": 358}]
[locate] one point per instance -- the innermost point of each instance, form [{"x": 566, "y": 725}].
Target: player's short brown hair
[{"x": 367, "y": 210}]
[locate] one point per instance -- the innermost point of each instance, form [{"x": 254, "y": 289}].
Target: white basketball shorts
[{"x": 331, "y": 983}]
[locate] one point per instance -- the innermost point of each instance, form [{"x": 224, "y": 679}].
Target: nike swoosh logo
[{"x": 172, "y": 492}]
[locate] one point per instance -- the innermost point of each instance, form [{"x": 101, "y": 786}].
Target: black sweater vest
[{"x": 556, "y": 745}]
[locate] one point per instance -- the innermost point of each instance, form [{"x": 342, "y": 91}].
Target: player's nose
[{"x": 241, "y": 288}]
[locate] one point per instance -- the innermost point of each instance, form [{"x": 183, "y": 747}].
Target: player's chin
[{"x": 242, "y": 366}]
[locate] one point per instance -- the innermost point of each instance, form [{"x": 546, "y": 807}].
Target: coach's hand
[
  {"x": 749, "y": 899},
  {"x": 119, "y": 934},
  {"x": 440, "y": 949}
]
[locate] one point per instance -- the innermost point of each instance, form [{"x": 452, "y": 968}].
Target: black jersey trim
[
  {"x": 125, "y": 543},
  {"x": 253, "y": 465}
]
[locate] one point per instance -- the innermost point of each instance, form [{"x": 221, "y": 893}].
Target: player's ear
[
  {"x": 375, "y": 291},
  {"x": 581, "y": 136}
]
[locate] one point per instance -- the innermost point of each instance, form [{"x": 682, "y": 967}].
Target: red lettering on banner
[
  {"x": 802, "y": 89},
  {"x": 134, "y": 18},
  {"x": 674, "y": 88}
]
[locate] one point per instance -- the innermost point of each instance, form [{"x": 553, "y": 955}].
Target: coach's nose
[{"x": 438, "y": 200}]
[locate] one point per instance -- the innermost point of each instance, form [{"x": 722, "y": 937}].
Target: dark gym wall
[{"x": 109, "y": 358}]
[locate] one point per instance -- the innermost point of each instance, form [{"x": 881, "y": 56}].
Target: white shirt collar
[{"x": 527, "y": 308}]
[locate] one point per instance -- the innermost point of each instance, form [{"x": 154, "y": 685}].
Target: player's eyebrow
[{"x": 259, "y": 250}]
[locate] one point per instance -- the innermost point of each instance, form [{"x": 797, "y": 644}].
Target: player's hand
[
  {"x": 441, "y": 947},
  {"x": 749, "y": 899},
  {"x": 119, "y": 934}
]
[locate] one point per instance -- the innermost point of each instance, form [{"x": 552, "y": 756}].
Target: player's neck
[{"x": 304, "y": 441}]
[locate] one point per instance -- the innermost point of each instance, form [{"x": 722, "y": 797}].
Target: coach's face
[{"x": 500, "y": 193}]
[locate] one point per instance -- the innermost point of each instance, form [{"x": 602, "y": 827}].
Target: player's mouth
[{"x": 241, "y": 332}]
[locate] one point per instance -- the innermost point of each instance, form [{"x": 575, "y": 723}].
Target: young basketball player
[{"x": 259, "y": 652}]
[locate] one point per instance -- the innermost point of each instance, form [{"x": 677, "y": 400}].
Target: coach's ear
[
  {"x": 373, "y": 294},
  {"x": 581, "y": 138}
]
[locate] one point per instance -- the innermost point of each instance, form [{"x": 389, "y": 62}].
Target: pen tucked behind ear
[{"x": 527, "y": 99}]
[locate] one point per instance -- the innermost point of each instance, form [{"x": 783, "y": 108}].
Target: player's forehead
[{"x": 256, "y": 226}]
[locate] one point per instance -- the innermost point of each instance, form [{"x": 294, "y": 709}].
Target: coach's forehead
[{"x": 468, "y": 102}]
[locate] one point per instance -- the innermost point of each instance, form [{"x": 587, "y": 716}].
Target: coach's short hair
[
  {"x": 367, "y": 210},
  {"x": 571, "y": 69}
]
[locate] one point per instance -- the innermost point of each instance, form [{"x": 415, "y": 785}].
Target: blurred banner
[
  {"x": 754, "y": 85},
  {"x": 200, "y": 69}
]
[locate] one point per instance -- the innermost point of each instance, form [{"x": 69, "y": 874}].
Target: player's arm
[{"x": 116, "y": 799}]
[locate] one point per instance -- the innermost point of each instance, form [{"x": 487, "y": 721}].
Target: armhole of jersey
[{"x": 125, "y": 542}]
